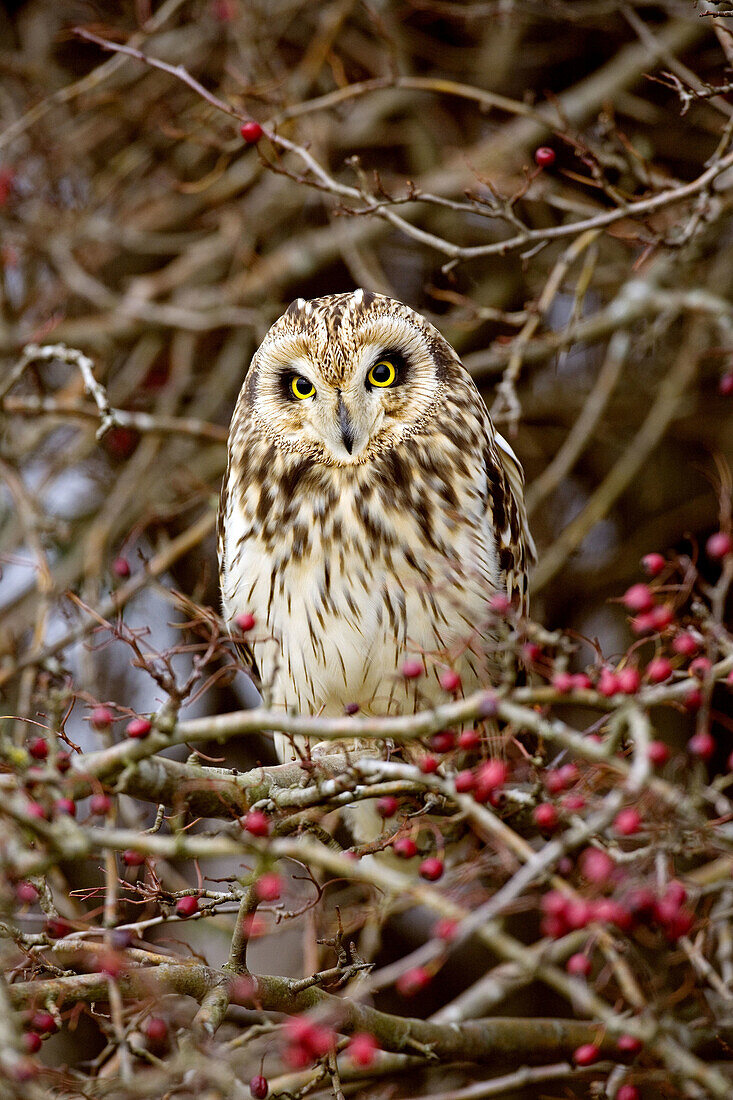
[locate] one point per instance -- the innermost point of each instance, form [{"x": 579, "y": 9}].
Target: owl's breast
[{"x": 351, "y": 580}]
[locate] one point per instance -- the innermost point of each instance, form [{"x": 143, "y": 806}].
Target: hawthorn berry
[
  {"x": 653, "y": 564},
  {"x": 629, "y": 1044},
  {"x": 251, "y": 132},
  {"x": 544, "y": 156},
  {"x": 658, "y": 670},
  {"x": 693, "y": 699},
  {"x": 546, "y": 816},
  {"x": 725, "y": 385},
  {"x": 38, "y": 748},
  {"x": 608, "y": 683},
  {"x": 658, "y": 752},
  {"x": 432, "y": 869},
  {"x": 26, "y": 893},
  {"x": 412, "y": 981},
  {"x": 563, "y": 682},
  {"x": 579, "y": 965},
  {"x": 719, "y": 545},
  {"x": 387, "y": 806},
  {"x": 464, "y": 781},
  {"x": 429, "y": 764},
  {"x": 596, "y": 865},
  {"x": 586, "y": 1055},
  {"x": 404, "y": 847},
  {"x": 35, "y": 809},
  {"x": 362, "y": 1048},
  {"x": 121, "y": 568},
  {"x": 56, "y": 928},
  {"x": 65, "y": 806},
  {"x": 469, "y": 739},
  {"x": 259, "y": 1087},
  {"x": 62, "y": 761},
  {"x": 138, "y": 727},
  {"x": 629, "y": 680},
  {"x": 245, "y": 621},
  {"x": 450, "y": 681},
  {"x": 685, "y": 644},
  {"x": 44, "y": 1022},
  {"x": 700, "y": 667},
  {"x": 269, "y": 886},
  {"x": 443, "y": 741},
  {"x": 628, "y": 1092},
  {"x": 702, "y": 745},
  {"x": 489, "y": 777},
  {"x": 638, "y": 598},
  {"x": 155, "y": 1029},
  {"x": 627, "y": 821},
  {"x": 32, "y": 1042},
  {"x": 131, "y": 858},
  {"x": 256, "y": 823},
  {"x": 101, "y": 718},
  {"x": 187, "y": 905},
  {"x": 100, "y": 804},
  {"x": 446, "y": 929}
]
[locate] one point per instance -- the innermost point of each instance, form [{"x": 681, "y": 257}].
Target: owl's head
[{"x": 343, "y": 377}]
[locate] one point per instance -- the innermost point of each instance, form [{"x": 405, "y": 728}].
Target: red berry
[
  {"x": 719, "y": 545},
  {"x": 573, "y": 802},
  {"x": 658, "y": 670},
  {"x": 544, "y": 157},
  {"x": 661, "y": 617},
  {"x": 155, "y": 1029},
  {"x": 26, "y": 893},
  {"x": 446, "y": 929},
  {"x": 362, "y": 1048},
  {"x": 269, "y": 886},
  {"x": 131, "y": 858},
  {"x": 608, "y": 683},
  {"x": 629, "y": 1044},
  {"x": 531, "y": 652},
  {"x": 65, "y": 806},
  {"x": 450, "y": 681},
  {"x": 643, "y": 624},
  {"x": 545, "y": 816},
  {"x": 578, "y": 913},
  {"x": 658, "y": 752},
  {"x": 256, "y": 823},
  {"x": 245, "y": 621},
  {"x": 469, "y": 739},
  {"x": 412, "y": 981},
  {"x": 596, "y": 865},
  {"x": 586, "y": 1055},
  {"x": 628, "y": 1092},
  {"x": 251, "y": 132},
  {"x": 56, "y": 928},
  {"x": 443, "y": 741},
  {"x": 62, "y": 761},
  {"x": 685, "y": 644},
  {"x": 638, "y": 598},
  {"x": 563, "y": 682},
  {"x": 35, "y": 809},
  {"x": 579, "y": 965},
  {"x": 629, "y": 680},
  {"x": 490, "y": 776},
  {"x": 725, "y": 385},
  {"x": 627, "y": 821},
  {"x": 464, "y": 782},
  {"x": 121, "y": 568},
  {"x": 44, "y": 1022},
  {"x": 702, "y": 745},
  {"x": 351, "y": 708},
  {"x": 412, "y": 668},
  {"x": 138, "y": 727},
  {"x": 693, "y": 699},
  {"x": 653, "y": 564},
  {"x": 387, "y": 806},
  {"x": 431, "y": 868},
  {"x": 32, "y": 1042},
  {"x": 259, "y": 1086},
  {"x": 187, "y": 905},
  {"x": 700, "y": 667},
  {"x": 404, "y": 847},
  {"x": 38, "y": 748},
  {"x": 100, "y": 804},
  {"x": 581, "y": 682},
  {"x": 429, "y": 764},
  {"x": 101, "y": 718}
]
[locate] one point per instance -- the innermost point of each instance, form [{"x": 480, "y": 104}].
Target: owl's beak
[{"x": 347, "y": 428}]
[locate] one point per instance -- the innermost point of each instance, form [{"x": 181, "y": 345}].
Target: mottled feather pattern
[{"x": 352, "y": 562}]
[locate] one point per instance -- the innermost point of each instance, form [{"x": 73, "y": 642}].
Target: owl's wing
[{"x": 515, "y": 544}]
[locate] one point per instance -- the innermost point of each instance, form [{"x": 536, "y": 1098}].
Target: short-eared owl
[{"x": 369, "y": 510}]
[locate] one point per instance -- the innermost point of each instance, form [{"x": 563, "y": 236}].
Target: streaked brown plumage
[{"x": 365, "y": 523}]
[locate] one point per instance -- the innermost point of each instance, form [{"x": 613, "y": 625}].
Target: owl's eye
[
  {"x": 382, "y": 374},
  {"x": 301, "y": 387}
]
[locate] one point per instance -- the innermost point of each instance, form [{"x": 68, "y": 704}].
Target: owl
[{"x": 368, "y": 514}]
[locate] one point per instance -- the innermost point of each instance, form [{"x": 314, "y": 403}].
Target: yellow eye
[
  {"x": 382, "y": 374},
  {"x": 302, "y": 388}
]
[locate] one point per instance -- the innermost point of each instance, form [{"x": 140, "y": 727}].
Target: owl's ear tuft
[
  {"x": 363, "y": 297},
  {"x": 296, "y": 306}
]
